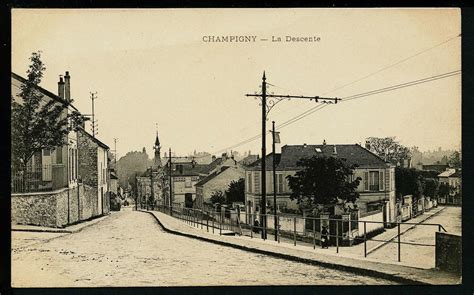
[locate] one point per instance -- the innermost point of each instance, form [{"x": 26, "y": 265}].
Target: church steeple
[{"x": 157, "y": 148}]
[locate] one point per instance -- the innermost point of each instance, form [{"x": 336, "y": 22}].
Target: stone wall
[
  {"x": 51, "y": 208},
  {"x": 87, "y": 158},
  {"x": 38, "y": 208},
  {"x": 448, "y": 252}
]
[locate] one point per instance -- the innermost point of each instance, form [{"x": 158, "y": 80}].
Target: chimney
[
  {"x": 334, "y": 152},
  {"x": 304, "y": 145},
  {"x": 213, "y": 158},
  {"x": 61, "y": 87},
  {"x": 324, "y": 141},
  {"x": 367, "y": 145},
  {"x": 67, "y": 87}
]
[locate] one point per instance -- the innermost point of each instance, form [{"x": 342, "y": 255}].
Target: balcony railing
[{"x": 38, "y": 179}]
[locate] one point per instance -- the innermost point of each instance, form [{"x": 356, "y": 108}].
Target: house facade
[
  {"x": 218, "y": 180},
  {"x": 51, "y": 191},
  {"x": 452, "y": 177},
  {"x": 376, "y": 189},
  {"x": 94, "y": 170}
]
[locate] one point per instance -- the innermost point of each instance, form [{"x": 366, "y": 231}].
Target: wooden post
[
  {"x": 314, "y": 233},
  {"x": 365, "y": 239},
  {"x": 337, "y": 236},
  {"x": 294, "y": 226},
  {"x": 399, "y": 258}
]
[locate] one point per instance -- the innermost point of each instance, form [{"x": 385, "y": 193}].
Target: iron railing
[
  {"x": 293, "y": 229},
  {"x": 38, "y": 179}
]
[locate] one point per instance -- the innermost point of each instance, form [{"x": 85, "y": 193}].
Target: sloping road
[{"x": 130, "y": 249}]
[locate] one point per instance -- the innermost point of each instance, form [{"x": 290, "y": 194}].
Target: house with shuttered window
[{"x": 376, "y": 189}]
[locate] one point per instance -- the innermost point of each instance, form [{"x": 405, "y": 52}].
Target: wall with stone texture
[
  {"x": 448, "y": 252},
  {"x": 37, "y": 208},
  {"x": 51, "y": 209}
]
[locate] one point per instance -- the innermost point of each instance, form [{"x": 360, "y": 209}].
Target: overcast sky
[{"x": 152, "y": 67}]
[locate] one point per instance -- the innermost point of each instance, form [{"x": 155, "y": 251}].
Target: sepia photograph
[{"x": 235, "y": 147}]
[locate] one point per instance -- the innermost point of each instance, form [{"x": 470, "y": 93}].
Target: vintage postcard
[{"x": 236, "y": 147}]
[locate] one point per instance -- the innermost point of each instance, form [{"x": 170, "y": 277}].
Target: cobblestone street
[{"x": 130, "y": 249}]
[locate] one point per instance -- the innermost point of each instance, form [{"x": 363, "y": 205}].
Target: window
[
  {"x": 77, "y": 162},
  {"x": 256, "y": 178},
  {"x": 280, "y": 183},
  {"x": 249, "y": 182},
  {"x": 374, "y": 180},
  {"x": 188, "y": 183},
  {"x": 46, "y": 152}
]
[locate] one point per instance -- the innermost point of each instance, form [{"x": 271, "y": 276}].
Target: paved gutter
[
  {"x": 398, "y": 273},
  {"x": 69, "y": 229}
]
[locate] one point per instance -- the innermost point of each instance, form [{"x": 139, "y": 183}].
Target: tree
[
  {"x": 131, "y": 163},
  {"x": 431, "y": 187},
  {"x": 388, "y": 147},
  {"x": 217, "y": 197},
  {"x": 445, "y": 190},
  {"x": 236, "y": 191},
  {"x": 323, "y": 182},
  {"x": 408, "y": 181},
  {"x": 38, "y": 124},
  {"x": 455, "y": 160}
]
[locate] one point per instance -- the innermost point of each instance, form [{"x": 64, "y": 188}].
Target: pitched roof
[
  {"x": 448, "y": 173},
  {"x": 187, "y": 170},
  {"x": 44, "y": 91},
  {"x": 211, "y": 166},
  {"x": 290, "y": 154},
  {"x": 211, "y": 176},
  {"x": 99, "y": 143}
]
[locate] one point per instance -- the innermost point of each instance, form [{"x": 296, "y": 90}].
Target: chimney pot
[
  {"x": 67, "y": 87},
  {"x": 324, "y": 142}
]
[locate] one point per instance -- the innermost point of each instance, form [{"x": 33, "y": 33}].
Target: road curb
[
  {"x": 65, "y": 230},
  {"x": 353, "y": 269}
]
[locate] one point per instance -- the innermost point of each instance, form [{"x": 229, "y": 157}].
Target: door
[{"x": 188, "y": 200}]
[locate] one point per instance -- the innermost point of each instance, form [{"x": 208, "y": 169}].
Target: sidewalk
[
  {"x": 69, "y": 229},
  {"x": 323, "y": 257}
]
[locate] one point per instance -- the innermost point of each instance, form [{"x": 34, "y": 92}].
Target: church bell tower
[{"x": 157, "y": 148}]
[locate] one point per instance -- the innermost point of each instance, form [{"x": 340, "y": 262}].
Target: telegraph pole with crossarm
[{"x": 274, "y": 99}]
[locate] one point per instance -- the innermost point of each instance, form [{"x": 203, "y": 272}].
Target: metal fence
[
  {"x": 297, "y": 230},
  {"x": 38, "y": 179}
]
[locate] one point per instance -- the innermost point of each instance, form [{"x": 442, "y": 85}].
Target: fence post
[
  {"x": 314, "y": 233},
  {"x": 399, "y": 242},
  {"x": 337, "y": 236},
  {"x": 439, "y": 227},
  {"x": 278, "y": 228},
  {"x": 294, "y": 226},
  {"x": 202, "y": 222},
  {"x": 213, "y": 217},
  {"x": 365, "y": 240},
  {"x": 220, "y": 223},
  {"x": 207, "y": 223},
  {"x": 251, "y": 226}
]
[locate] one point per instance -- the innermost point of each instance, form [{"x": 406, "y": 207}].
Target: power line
[
  {"x": 348, "y": 98},
  {"x": 392, "y": 65}
]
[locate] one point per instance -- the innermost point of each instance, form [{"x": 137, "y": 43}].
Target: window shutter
[
  {"x": 366, "y": 181},
  {"x": 382, "y": 181}
]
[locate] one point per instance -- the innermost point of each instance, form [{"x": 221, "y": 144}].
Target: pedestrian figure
[
  {"x": 256, "y": 226},
  {"x": 325, "y": 237}
]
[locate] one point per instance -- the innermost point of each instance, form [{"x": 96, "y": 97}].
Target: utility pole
[
  {"x": 93, "y": 98},
  {"x": 275, "y": 221},
  {"x": 115, "y": 156},
  {"x": 136, "y": 192},
  {"x": 171, "y": 185},
  {"x": 266, "y": 108},
  {"x": 152, "y": 194}
]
